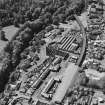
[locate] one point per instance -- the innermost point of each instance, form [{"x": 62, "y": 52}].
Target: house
[
  {"x": 99, "y": 8},
  {"x": 93, "y": 10}
]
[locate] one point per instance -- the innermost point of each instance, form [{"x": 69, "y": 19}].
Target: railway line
[{"x": 84, "y": 41}]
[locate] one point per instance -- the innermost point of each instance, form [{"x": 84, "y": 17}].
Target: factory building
[
  {"x": 41, "y": 78},
  {"x": 48, "y": 87},
  {"x": 67, "y": 41}
]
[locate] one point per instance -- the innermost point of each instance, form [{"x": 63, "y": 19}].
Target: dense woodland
[
  {"x": 20, "y": 11},
  {"x": 37, "y": 18}
]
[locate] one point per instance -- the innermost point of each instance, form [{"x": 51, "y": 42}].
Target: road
[{"x": 84, "y": 40}]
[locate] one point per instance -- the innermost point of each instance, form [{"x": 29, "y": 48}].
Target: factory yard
[{"x": 65, "y": 84}]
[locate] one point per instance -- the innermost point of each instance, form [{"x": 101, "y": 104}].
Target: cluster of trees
[
  {"x": 5, "y": 71},
  {"x": 14, "y": 76},
  {"x": 2, "y": 36},
  {"x": 20, "y": 11}
]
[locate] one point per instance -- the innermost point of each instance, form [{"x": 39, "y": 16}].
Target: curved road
[{"x": 84, "y": 40}]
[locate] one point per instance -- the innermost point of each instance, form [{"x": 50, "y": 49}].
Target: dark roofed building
[{"x": 52, "y": 51}]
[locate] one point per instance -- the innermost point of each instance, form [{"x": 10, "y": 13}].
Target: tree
[
  {"x": 55, "y": 20},
  {"x": 36, "y": 57},
  {"x": 4, "y": 72},
  {"x": 15, "y": 60},
  {"x": 47, "y": 21},
  {"x": 8, "y": 48},
  {"x": 24, "y": 64},
  {"x": 61, "y": 17},
  {"x": 84, "y": 80},
  {"x": 14, "y": 76},
  {"x": 36, "y": 13},
  {"x": 23, "y": 55},
  {"x": 36, "y": 26},
  {"x": 26, "y": 34},
  {"x": 16, "y": 23},
  {"x": 42, "y": 42},
  {"x": 2, "y": 36}
]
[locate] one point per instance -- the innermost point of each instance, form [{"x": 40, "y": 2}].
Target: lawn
[{"x": 9, "y": 33}]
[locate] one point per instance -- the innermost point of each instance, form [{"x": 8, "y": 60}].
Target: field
[{"x": 9, "y": 33}]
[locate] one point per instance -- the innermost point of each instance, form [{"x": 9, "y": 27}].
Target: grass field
[{"x": 9, "y": 33}]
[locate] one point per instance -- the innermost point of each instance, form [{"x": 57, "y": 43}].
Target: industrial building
[
  {"x": 52, "y": 51},
  {"x": 66, "y": 41},
  {"x": 48, "y": 87}
]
